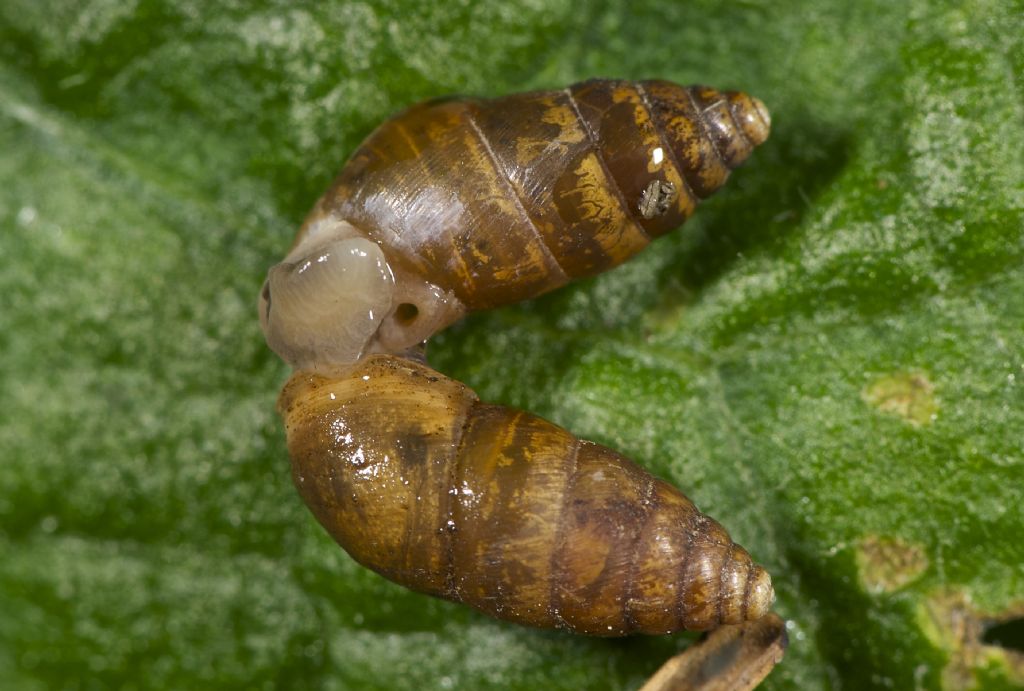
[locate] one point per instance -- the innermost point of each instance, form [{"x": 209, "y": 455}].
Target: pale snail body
[{"x": 455, "y": 206}]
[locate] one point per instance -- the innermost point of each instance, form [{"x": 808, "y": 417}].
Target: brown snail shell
[
  {"x": 503, "y": 511},
  {"x": 546, "y": 186},
  {"x": 459, "y": 205},
  {"x": 481, "y": 203}
]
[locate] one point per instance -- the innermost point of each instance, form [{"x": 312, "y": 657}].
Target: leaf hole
[{"x": 1006, "y": 634}]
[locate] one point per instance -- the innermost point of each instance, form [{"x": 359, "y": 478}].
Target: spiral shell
[
  {"x": 459, "y": 205},
  {"x": 502, "y": 200},
  {"x": 505, "y": 512}
]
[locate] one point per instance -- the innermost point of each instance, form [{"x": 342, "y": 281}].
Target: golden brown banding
[
  {"x": 557, "y": 276},
  {"x": 634, "y": 235},
  {"x": 703, "y": 575},
  {"x": 649, "y": 504},
  {"x": 745, "y": 605},
  {"x": 628, "y": 142},
  {"x": 535, "y": 141},
  {"x": 560, "y": 537},
  {"x": 681, "y": 609},
  {"x": 734, "y": 585},
  {"x": 688, "y": 200},
  {"x": 494, "y": 201},
  {"x": 705, "y": 128},
  {"x": 548, "y": 530},
  {"x": 760, "y": 596},
  {"x": 461, "y": 205},
  {"x": 716, "y": 116},
  {"x": 750, "y": 116},
  {"x": 679, "y": 119},
  {"x": 665, "y": 548},
  {"x": 594, "y": 139},
  {"x": 723, "y": 571},
  {"x": 451, "y": 524}
]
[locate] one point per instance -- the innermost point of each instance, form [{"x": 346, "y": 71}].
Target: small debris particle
[
  {"x": 886, "y": 564},
  {"x": 730, "y": 658},
  {"x": 909, "y": 395}
]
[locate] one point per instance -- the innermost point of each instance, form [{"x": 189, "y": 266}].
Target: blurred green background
[{"x": 829, "y": 357}]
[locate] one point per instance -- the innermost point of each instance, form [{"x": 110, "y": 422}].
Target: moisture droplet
[{"x": 26, "y": 215}]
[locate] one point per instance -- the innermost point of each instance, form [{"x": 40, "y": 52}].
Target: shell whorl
[
  {"x": 461, "y": 205},
  {"x": 501, "y": 510},
  {"x": 504, "y": 199}
]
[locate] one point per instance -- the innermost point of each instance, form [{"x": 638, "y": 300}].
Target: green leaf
[{"x": 829, "y": 357}]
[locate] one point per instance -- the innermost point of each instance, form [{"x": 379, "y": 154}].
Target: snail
[{"x": 459, "y": 205}]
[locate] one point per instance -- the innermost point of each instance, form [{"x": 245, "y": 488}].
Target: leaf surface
[{"x": 829, "y": 358}]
